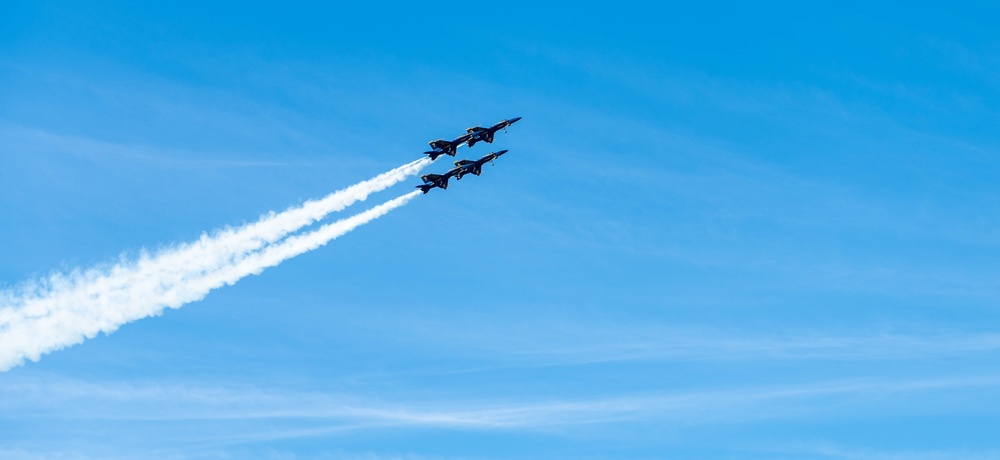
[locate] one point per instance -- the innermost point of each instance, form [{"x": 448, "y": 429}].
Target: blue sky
[{"x": 721, "y": 231}]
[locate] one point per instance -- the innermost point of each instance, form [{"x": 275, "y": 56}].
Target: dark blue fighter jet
[
  {"x": 475, "y": 167},
  {"x": 479, "y": 133},
  {"x": 443, "y": 147},
  {"x": 437, "y": 180}
]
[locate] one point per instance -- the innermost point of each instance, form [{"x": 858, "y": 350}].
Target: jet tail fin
[
  {"x": 439, "y": 144},
  {"x": 434, "y": 154},
  {"x": 430, "y": 178},
  {"x": 425, "y": 188}
]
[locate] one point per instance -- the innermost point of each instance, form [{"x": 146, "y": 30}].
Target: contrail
[
  {"x": 66, "y": 309},
  {"x": 257, "y": 262}
]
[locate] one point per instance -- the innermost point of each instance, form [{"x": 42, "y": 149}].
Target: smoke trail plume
[
  {"x": 65, "y": 310},
  {"x": 257, "y": 262}
]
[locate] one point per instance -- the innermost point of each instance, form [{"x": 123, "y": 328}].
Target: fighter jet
[
  {"x": 475, "y": 167},
  {"x": 443, "y": 147},
  {"x": 479, "y": 133},
  {"x": 437, "y": 180}
]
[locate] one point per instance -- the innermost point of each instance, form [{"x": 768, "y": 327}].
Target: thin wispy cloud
[
  {"x": 680, "y": 346},
  {"x": 830, "y": 450},
  {"x": 24, "y": 140},
  {"x": 504, "y": 339},
  {"x": 169, "y": 403}
]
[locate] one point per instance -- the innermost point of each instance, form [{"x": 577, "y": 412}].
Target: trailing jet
[
  {"x": 437, "y": 180},
  {"x": 475, "y": 167},
  {"x": 443, "y": 147},
  {"x": 479, "y": 133}
]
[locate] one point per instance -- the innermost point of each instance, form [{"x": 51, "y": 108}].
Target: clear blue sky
[{"x": 722, "y": 231}]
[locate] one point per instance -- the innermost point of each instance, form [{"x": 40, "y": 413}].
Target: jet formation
[{"x": 463, "y": 167}]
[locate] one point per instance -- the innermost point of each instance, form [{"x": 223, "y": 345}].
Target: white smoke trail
[
  {"x": 65, "y": 310},
  {"x": 31, "y": 337},
  {"x": 257, "y": 262},
  {"x": 209, "y": 252}
]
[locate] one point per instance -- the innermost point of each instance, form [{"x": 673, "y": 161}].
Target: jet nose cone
[
  {"x": 514, "y": 120},
  {"x": 501, "y": 152}
]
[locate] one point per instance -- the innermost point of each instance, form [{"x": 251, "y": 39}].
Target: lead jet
[
  {"x": 475, "y": 167},
  {"x": 479, "y": 133},
  {"x": 437, "y": 180},
  {"x": 443, "y": 147}
]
